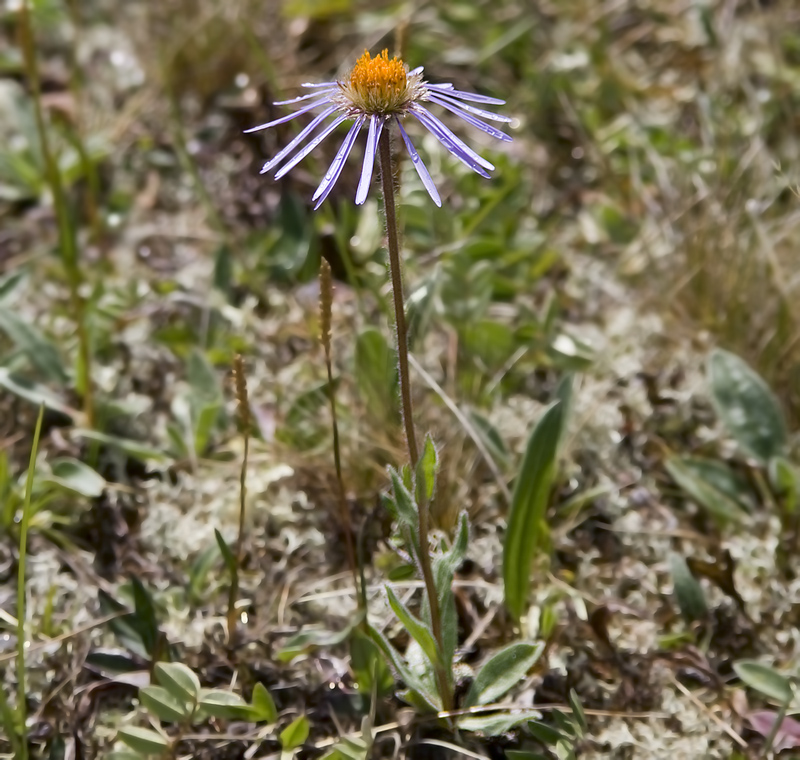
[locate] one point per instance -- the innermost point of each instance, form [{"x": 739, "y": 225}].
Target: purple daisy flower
[{"x": 377, "y": 94}]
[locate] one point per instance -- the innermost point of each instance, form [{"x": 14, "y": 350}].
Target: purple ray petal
[
  {"x": 375, "y": 129},
  {"x": 461, "y": 155},
  {"x": 318, "y": 84},
  {"x": 329, "y": 180},
  {"x": 490, "y": 130},
  {"x": 442, "y": 131},
  {"x": 278, "y": 157},
  {"x": 473, "y": 96},
  {"x": 419, "y": 166},
  {"x": 304, "y": 109},
  {"x": 302, "y": 97},
  {"x": 310, "y": 146},
  {"x": 417, "y": 70},
  {"x": 471, "y": 109}
]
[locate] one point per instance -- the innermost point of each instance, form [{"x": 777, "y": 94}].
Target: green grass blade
[{"x": 23, "y": 552}]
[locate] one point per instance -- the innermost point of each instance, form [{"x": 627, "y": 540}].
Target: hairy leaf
[
  {"x": 502, "y": 672},
  {"x": 746, "y": 406}
]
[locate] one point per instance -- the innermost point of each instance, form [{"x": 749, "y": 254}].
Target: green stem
[
  {"x": 23, "y": 554},
  {"x": 66, "y": 232},
  {"x": 390, "y": 207}
]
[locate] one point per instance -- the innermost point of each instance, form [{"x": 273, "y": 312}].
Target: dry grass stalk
[
  {"x": 325, "y": 310},
  {"x": 243, "y": 412}
]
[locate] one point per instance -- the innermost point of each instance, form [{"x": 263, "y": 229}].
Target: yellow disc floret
[
  {"x": 377, "y": 85},
  {"x": 378, "y": 73}
]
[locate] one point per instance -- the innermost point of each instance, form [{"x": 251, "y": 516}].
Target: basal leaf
[
  {"x": 502, "y": 672},
  {"x": 163, "y": 704},
  {"x": 404, "y": 672},
  {"x": 39, "y": 351},
  {"x": 295, "y": 734},
  {"x": 219, "y": 703},
  {"x": 416, "y": 629},
  {"x": 124, "y": 626},
  {"x": 692, "y": 478},
  {"x": 306, "y": 641},
  {"x": 545, "y": 733},
  {"x": 143, "y": 740},
  {"x": 426, "y": 471},
  {"x": 77, "y": 477},
  {"x": 203, "y": 378},
  {"x": 145, "y": 618},
  {"x": 688, "y": 591},
  {"x": 199, "y": 570},
  {"x": 528, "y": 507},
  {"x": 179, "y": 680},
  {"x": 764, "y": 679},
  {"x": 227, "y": 554},
  {"x": 746, "y": 406},
  {"x": 369, "y": 666},
  {"x": 376, "y": 374},
  {"x": 497, "y": 723},
  {"x": 407, "y": 512},
  {"x": 578, "y": 716},
  {"x": 262, "y": 705}
]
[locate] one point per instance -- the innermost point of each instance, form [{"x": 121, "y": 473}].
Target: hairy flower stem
[{"x": 390, "y": 207}]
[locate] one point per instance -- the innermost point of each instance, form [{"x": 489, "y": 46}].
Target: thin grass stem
[
  {"x": 66, "y": 231},
  {"x": 9, "y": 721},
  {"x": 243, "y": 407},
  {"x": 325, "y": 307},
  {"x": 23, "y": 554}
]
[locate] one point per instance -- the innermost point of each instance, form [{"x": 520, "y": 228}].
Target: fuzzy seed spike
[{"x": 240, "y": 389}]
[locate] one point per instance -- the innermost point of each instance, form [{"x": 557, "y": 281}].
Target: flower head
[{"x": 382, "y": 92}]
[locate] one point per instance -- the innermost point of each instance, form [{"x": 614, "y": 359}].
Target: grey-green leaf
[
  {"x": 202, "y": 377},
  {"x": 746, "y": 406},
  {"x": 688, "y": 591},
  {"x": 262, "y": 707},
  {"x": 415, "y": 684},
  {"x": 528, "y": 506},
  {"x": 695, "y": 481},
  {"x": 227, "y": 555},
  {"x": 502, "y": 672},
  {"x": 123, "y": 754},
  {"x": 406, "y": 508},
  {"x": 77, "y": 477},
  {"x": 414, "y": 626},
  {"x": 426, "y": 471},
  {"x": 785, "y": 480},
  {"x": 764, "y": 679},
  {"x": 39, "y": 351},
  {"x": 376, "y": 373},
  {"x": 145, "y": 741},
  {"x": 498, "y": 723},
  {"x": 219, "y": 703},
  {"x": 578, "y": 716},
  {"x": 295, "y": 734},
  {"x": 163, "y": 704},
  {"x": 179, "y": 680}
]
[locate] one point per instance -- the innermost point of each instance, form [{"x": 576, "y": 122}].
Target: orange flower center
[{"x": 378, "y": 77}]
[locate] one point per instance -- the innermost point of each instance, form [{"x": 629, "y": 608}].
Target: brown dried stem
[{"x": 325, "y": 308}]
